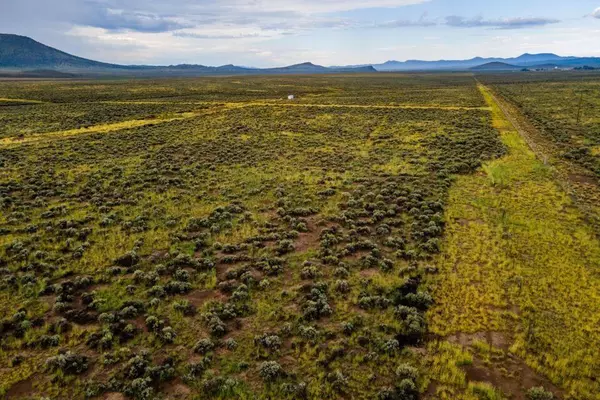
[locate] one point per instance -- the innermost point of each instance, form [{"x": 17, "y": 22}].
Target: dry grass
[{"x": 519, "y": 258}]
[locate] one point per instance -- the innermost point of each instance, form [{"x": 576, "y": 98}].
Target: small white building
[{"x": 291, "y": 97}]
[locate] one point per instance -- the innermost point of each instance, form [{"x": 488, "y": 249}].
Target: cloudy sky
[{"x": 280, "y": 32}]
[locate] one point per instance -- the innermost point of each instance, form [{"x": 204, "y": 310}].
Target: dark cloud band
[
  {"x": 116, "y": 20},
  {"x": 506, "y": 23}
]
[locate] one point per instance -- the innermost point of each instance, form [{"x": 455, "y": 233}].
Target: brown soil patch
[
  {"x": 139, "y": 323},
  {"x": 200, "y": 297},
  {"x": 21, "y": 389},
  {"x": 310, "y": 240},
  {"x": 114, "y": 396},
  {"x": 495, "y": 339},
  {"x": 368, "y": 273},
  {"x": 465, "y": 222},
  {"x": 504, "y": 371},
  {"x": 307, "y": 241},
  {"x": 585, "y": 179},
  {"x": 512, "y": 376},
  {"x": 177, "y": 390},
  {"x": 221, "y": 270},
  {"x": 159, "y": 255},
  {"x": 356, "y": 256},
  {"x": 431, "y": 391},
  {"x": 50, "y": 299},
  {"x": 99, "y": 286}
]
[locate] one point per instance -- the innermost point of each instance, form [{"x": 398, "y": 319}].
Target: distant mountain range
[
  {"x": 20, "y": 55},
  {"x": 23, "y": 56},
  {"x": 497, "y": 66},
  {"x": 530, "y": 61}
]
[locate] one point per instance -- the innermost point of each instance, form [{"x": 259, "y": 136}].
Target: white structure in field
[{"x": 291, "y": 97}]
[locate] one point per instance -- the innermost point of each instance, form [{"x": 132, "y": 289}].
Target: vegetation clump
[
  {"x": 67, "y": 363},
  {"x": 238, "y": 246}
]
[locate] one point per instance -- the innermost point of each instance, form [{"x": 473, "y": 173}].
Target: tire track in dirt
[{"x": 583, "y": 188}]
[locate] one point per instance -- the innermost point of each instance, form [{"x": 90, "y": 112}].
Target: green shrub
[
  {"x": 68, "y": 363},
  {"x": 539, "y": 393},
  {"x": 204, "y": 346},
  {"x": 269, "y": 371}
]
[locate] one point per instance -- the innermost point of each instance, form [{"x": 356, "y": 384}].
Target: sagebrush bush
[
  {"x": 204, "y": 346},
  {"x": 68, "y": 363},
  {"x": 269, "y": 371},
  {"x": 539, "y": 393}
]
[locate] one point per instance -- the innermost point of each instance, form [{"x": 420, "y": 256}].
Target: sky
[{"x": 265, "y": 33}]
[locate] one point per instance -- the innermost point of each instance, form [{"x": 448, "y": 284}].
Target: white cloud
[
  {"x": 278, "y": 32},
  {"x": 240, "y": 9},
  {"x": 313, "y": 6},
  {"x": 154, "y": 48},
  {"x": 118, "y": 19}
]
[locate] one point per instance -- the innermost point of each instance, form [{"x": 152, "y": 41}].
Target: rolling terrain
[
  {"x": 381, "y": 236},
  {"x": 531, "y": 61},
  {"x": 23, "y": 57},
  {"x": 496, "y": 66}
]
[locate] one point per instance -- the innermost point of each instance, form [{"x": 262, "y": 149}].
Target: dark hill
[
  {"x": 496, "y": 66},
  {"x": 20, "y": 55},
  {"x": 36, "y": 73},
  {"x": 307, "y": 66},
  {"x": 20, "y": 52}
]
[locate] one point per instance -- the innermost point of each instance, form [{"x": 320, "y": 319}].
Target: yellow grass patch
[
  {"x": 103, "y": 128},
  {"x": 519, "y": 258},
  {"x": 8, "y": 100}
]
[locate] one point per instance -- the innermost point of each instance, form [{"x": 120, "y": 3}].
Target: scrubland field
[{"x": 383, "y": 236}]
